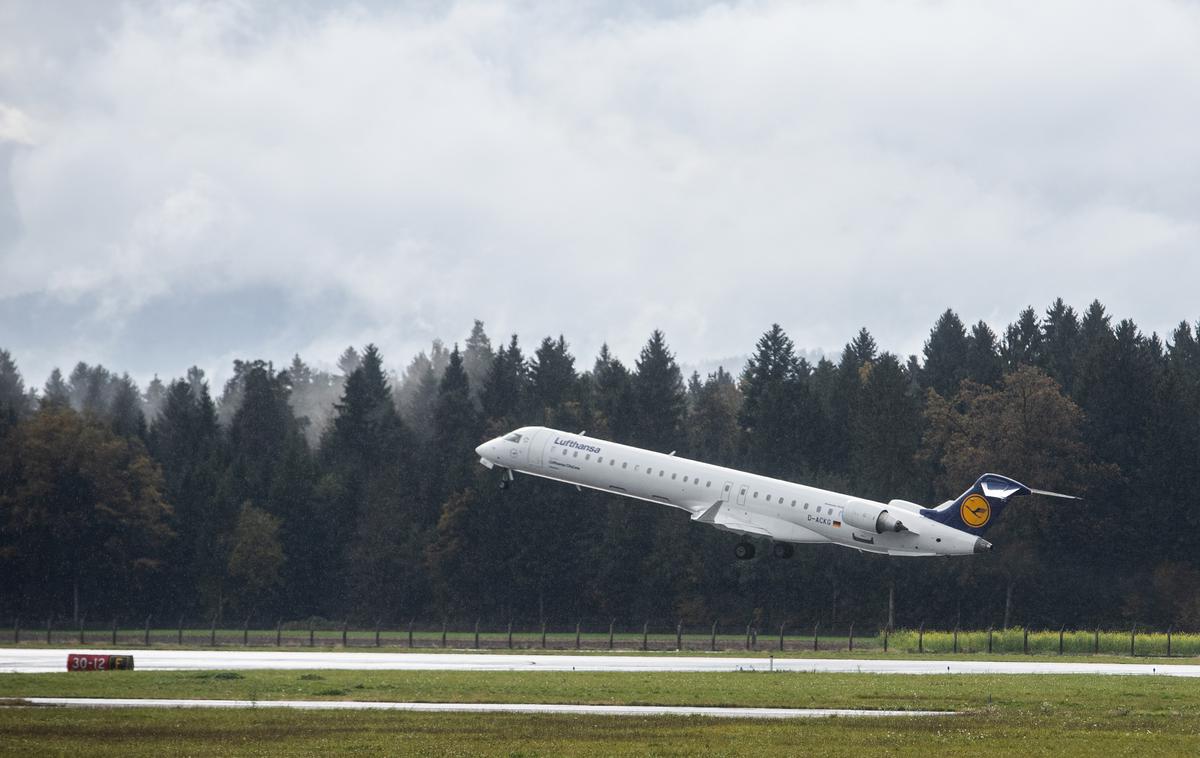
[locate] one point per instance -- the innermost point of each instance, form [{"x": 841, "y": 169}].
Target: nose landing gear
[{"x": 506, "y": 478}]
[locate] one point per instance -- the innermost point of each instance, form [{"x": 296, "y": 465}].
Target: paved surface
[
  {"x": 603, "y": 710},
  {"x": 35, "y": 660}
]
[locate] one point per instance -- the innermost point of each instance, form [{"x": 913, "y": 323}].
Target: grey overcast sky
[{"x": 189, "y": 182}]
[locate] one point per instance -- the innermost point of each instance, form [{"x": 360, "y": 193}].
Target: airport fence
[{"x": 583, "y": 636}]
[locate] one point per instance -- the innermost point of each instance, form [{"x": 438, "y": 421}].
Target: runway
[
  {"x": 592, "y": 710},
  {"x": 38, "y": 660}
]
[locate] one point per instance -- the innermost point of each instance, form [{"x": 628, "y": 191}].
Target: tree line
[{"x": 355, "y": 494}]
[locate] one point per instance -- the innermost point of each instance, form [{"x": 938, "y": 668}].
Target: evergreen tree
[
  {"x": 56, "y": 393},
  {"x": 14, "y": 402},
  {"x": 946, "y": 354},
  {"x": 457, "y": 428},
  {"x": 506, "y": 386},
  {"x": 1022, "y": 341},
  {"x": 983, "y": 362},
  {"x": 1060, "y": 341},
  {"x": 554, "y": 385},
  {"x": 658, "y": 397},
  {"x": 776, "y": 407},
  {"x": 614, "y": 396},
  {"x": 477, "y": 360}
]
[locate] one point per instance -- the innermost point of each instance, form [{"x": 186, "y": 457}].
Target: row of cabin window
[
  {"x": 625, "y": 465},
  {"x": 661, "y": 472}
]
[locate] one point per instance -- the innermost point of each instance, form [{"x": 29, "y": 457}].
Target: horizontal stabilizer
[{"x": 1047, "y": 493}]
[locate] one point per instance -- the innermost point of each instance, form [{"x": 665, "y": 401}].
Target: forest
[{"x": 354, "y": 494}]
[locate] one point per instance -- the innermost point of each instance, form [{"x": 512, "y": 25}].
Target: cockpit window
[{"x": 514, "y": 437}]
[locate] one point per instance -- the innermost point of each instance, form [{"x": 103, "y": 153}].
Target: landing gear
[
  {"x": 783, "y": 550},
  {"x": 506, "y": 478},
  {"x": 744, "y": 551}
]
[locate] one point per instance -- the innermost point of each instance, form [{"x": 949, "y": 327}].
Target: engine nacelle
[{"x": 871, "y": 518}]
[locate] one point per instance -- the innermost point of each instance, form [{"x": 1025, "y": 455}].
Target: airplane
[{"x": 757, "y": 506}]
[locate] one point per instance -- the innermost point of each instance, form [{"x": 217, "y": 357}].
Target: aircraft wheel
[
  {"x": 744, "y": 551},
  {"x": 783, "y": 550},
  {"x": 503, "y": 484}
]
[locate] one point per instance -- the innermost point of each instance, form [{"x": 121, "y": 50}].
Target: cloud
[{"x": 601, "y": 171}]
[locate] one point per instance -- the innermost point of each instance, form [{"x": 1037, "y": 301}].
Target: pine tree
[
  {"x": 614, "y": 396},
  {"x": 477, "y": 360},
  {"x": 658, "y": 397},
  {"x": 1060, "y": 341},
  {"x": 776, "y": 406},
  {"x": 983, "y": 362},
  {"x": 56, "y": 393},
  {"x": 554, "y": 384},
  {"x": 1022, "y": 341},
  {"x": 14, "y": 402},
  {"x": 946, "y": 354},
  {"x": 507, "y": 384}
]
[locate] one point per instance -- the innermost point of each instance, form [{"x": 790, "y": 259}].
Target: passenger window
[
  {"x": 806, "y": 506},
  {"x": 625, "y": 464},
  {"x": 612, "y": 461},
  {"x": 649, "y": 471},
  {"x": 685, "y": 480},
  {"x": 710, "y": 484},
  {"x": 565, "y": 452},
  {"x": 726, "y": 487},
  {"x": 768, "y": 498},
  {"x": 600, "y": 459},
  {"x": 672, "y": 477},
  {"x": 793, "y": 503},
  {"x": 756, "y": 494},
  {"x": 576, "y": 454},
  {"x": 660, "y": 473}
]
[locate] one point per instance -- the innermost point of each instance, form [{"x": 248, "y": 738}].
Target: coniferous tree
[
  {"x": 56, "y": 392},
  {"x": 507, "y": 385},
  {"x": 946, "y": 353},
  {"x": 1022, "y": 341},
  {"x": 658, "y": 397},
  {"x": 477, "y": 359},
  {"x": 983, "y": 362}
]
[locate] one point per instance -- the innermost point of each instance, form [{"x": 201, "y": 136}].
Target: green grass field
[{"x": 999, "y": 715}]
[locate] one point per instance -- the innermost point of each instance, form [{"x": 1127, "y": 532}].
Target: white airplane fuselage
[{"x": 728, "y": 499}]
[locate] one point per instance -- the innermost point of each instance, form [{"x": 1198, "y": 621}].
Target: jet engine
[{"x": 871, "y": 518}]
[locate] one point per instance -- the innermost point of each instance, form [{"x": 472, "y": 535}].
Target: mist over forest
[{"x": 292, "y": 492}]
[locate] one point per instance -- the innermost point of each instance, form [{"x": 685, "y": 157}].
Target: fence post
[
  {"x": 611, "y": 624},
  {"x": 345, "y": 631},
  {"x": 278, "y": 632},
  {"x": 989, "y": 640},
  {"x": 1060, "y": 638},
  {"x": 410, "y": 632},
  {"x": 81, "y": 620},
  {"x": 754, "y": 637},
  {"x": 1096, "y": 643},
  {"x": 679, "y": 635},
  {"x": 312, "y": 638},
  {"x": 510, "y": 634},
  {"x": 851, "y": 638},
  {"x": 1132, "y": 639},
  {"x": 179, "y": 640},
  {"x": 921, "y": 638},
  {"x": 578, "y": 625},
  {"x": 956, "y": 640},
  {"x": 476, "y": 634},
  {"x": 747, "y": 636},
  {"x": 444, "y": 622},
  {"x": 376, "y": 632},
  {"x": 646, "y": 635},
  {"x": 816, "y": 628},
  {"x": 543, "y": 634},
  {"x": 212, "y": 637},
  {"x": 49, "y": 629},
  {"x": 781, "y": 626},
  {"x": 1168, "y": 642},
  {"x": 246, "y": 632},
  {"x": 146, "y": 641},
  {"x": 713, "y": 646},
  {"x": 1025, "y": 643},
  {"x": 114, "y": 632},
  {"x": 17, "y": 632}
]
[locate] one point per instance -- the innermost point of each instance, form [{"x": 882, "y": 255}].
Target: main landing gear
[{"x": 744, "y": 551}]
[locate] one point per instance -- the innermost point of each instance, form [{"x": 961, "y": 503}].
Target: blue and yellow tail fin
[{"x": 975, "y": 510}]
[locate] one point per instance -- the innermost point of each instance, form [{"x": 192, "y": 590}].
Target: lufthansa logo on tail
[{"x": 975, "y": 511}]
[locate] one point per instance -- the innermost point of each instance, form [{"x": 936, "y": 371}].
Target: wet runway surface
[
  {"x": 38, "y": 660},
  {"x": 594, "y": 710}
]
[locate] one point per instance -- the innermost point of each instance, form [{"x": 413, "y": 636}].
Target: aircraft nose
[{"x": 481, "y": 451}]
